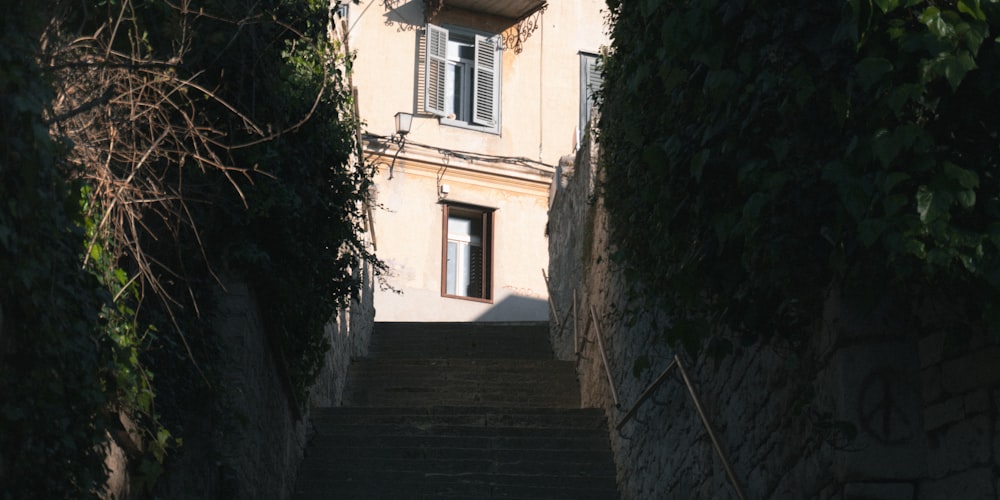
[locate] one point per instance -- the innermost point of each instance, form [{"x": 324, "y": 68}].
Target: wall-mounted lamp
[{"x": 403, "y": 122}]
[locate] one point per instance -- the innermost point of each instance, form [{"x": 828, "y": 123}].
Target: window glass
[
  {"x": 452, "y": 267},
  {"x": 467, "y": 250},
  {"x": 463, "y": 78},
  {"x": 459, "y": 228},
  {"x": 464, "y": 257},
  {"x": 460, "y": 57}
]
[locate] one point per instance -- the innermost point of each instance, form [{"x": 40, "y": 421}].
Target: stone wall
[
  {"x": 349, "y": 333},
  {"x": 262, "y": 449},
  {"x": 258, "y": 446},
  {"x": 961, "y": 391},
  {"x": 926, "y": 419}
]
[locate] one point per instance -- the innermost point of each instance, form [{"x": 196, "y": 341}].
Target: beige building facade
[{"x": 497, "y": 92}]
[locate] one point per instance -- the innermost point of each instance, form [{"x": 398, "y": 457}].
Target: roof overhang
[
  {"x": 521, "y": 17},
  {"x": 515, "y": 10}
]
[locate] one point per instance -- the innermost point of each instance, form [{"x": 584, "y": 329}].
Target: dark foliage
[
  {"x": 758, "y": 153},
  {"x": 190, "y": 143}
]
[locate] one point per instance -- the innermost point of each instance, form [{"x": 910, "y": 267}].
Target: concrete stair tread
[
  {"x": 452, "y": 410},
  {"x": 363, "y": 451},
  {"x": 461, "y": 340},
  {"x": 462, "y": 382},
  {"x": 457, "y": 429},
  {"x": 455, "y": 465},
  {"x": 370, "y": 481},
  {"x": 513, "y": 340},
  {"x": 505, "y": 364},
  {"x": 467, "y": 471},
  {"x": 458, "y": 442},
  {"x": 492, "y": 417},
  {"x": 459, "y": 410},
  {"x": 471, "y": 397},
  {"x": 443, "y": 487}
]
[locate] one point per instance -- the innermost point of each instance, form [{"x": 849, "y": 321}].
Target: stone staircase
[{"x": 459, "y": 410}]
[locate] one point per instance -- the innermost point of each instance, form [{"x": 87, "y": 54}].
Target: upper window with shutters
[
  {"x": 462, "y": 78},
  {"x": 590, "y": 85}
]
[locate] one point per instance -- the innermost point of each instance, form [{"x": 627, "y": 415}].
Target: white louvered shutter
[
  {"x": 486, "y": 82},
  {"x": 434, "y": 80},
  {"x": 594, "y": 79},
  {"x": 590, "y": 83}
]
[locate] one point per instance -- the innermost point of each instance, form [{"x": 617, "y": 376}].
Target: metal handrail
[
  {"x": 647, "y": 393},
  {"x": 676, "y": 363},
  {"x": 711, "y": 432},
  {"x": 576, "y": 342},
  {"x": 552, "y": 306},
  {"x": 604, "y": 357}
]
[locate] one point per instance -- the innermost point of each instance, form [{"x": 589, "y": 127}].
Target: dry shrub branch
[{"x": 132, "y": 118}]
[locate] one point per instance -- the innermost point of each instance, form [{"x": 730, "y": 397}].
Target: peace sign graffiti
[{"x": 884, "y": 409}]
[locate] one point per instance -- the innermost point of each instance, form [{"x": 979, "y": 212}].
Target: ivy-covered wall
[
  {"x": 52, "y": 353},
  {"x": 757, "y": 153},
  {"x": 150, "y": 150},
  {"x": 863, "y": 409},
  {"x": 801, "y": 202}
]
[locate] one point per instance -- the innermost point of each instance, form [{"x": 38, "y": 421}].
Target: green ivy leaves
[
  {"x": 77, "y": 349},
  {"x": 51, "y": 399},
  {"x": 795, "y": 148}
]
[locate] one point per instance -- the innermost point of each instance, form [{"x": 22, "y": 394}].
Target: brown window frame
[{"x": 487, "y": 216}]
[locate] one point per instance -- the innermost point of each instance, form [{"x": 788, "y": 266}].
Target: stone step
[
  {"x": 468, "y": 432},
  {"x": 461, "y": 438},
  {"x": 588, "y": 459},
  {"x": 463, "y": 462},
  {"x": 458, "y": 452},
  {"x": 544, "y": 418},
  {"x": 462, "y": 382},
  {"x": 461, "y": 340},
  {"x": 459, "y": 410},
  {"x": 467, "y": 486}
]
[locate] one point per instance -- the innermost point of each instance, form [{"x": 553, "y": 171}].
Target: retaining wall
[
  {"x": 257, "y": 447},
  {"x": 926, "y": 417}
]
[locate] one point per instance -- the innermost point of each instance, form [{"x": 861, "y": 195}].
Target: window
[
  {"x": 467, "y": 252},
  {"x": 462, "y": 80},
  {"x": 590, "y": 83},
  {"x": 343, "y": 9}
]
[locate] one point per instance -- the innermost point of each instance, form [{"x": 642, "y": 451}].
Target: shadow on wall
[
  {"x": 516, "y": 308},
  {"x": 405, "y": 16}
]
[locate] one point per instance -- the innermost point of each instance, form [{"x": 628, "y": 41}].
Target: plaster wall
[
  {"x": 539, "y": 115},
  {"x": 540, "y": 85},
  {"x": 408, "y": 229}
]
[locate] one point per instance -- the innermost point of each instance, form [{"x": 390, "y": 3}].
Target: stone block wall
[
  {"x": 926, "y": 418},
  {"x": 961, "y": 391},
  {"x": 258, "y": 446},
  {"x": 264, "y": 452},
  {"x": 262, "y": 448},
  {"x": 349, "y": 333}
]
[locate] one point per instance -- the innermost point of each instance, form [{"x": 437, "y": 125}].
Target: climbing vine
[
  {"x": 758, "y": 153},
  {"x": 50, "y": 345},
  {"x": 151, "y": 149}
]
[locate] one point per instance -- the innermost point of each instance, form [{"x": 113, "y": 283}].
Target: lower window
[{"x": 467, "y": 252}]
